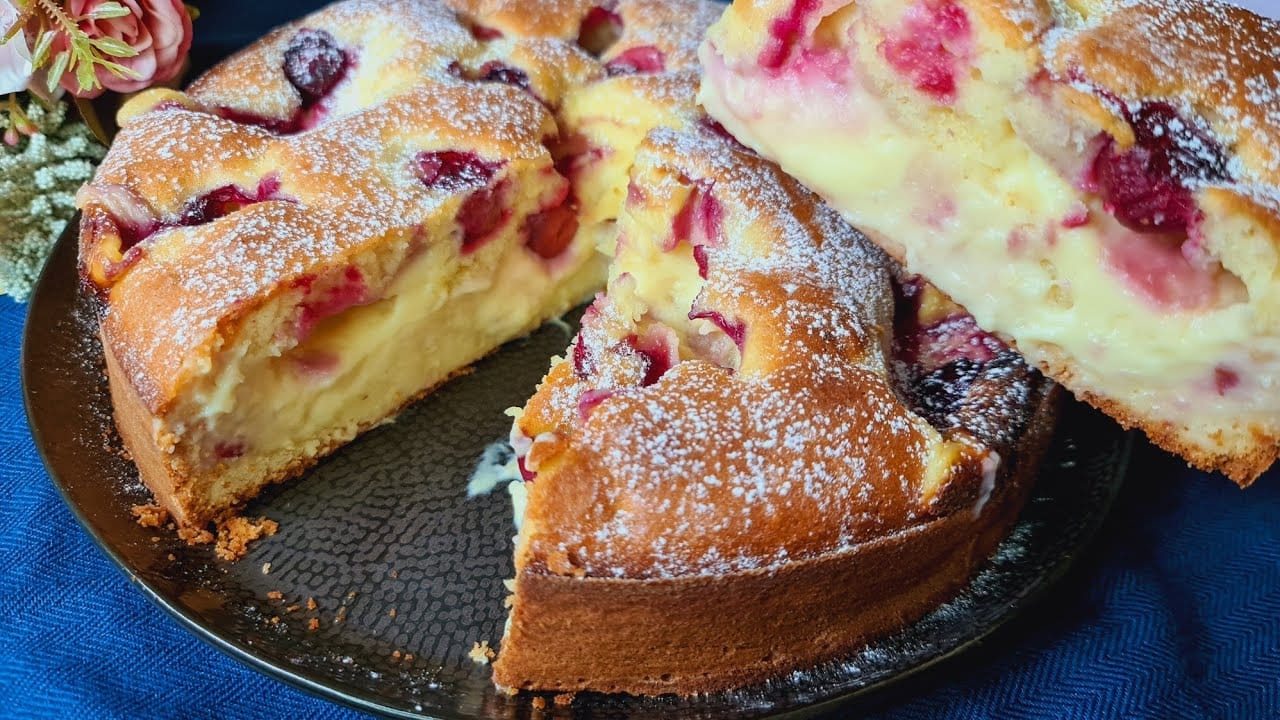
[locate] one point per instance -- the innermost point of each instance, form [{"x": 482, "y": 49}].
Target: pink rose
[{"x": 160, "y": 30}]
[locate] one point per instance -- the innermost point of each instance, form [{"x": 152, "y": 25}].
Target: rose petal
[{"x": 15, "y": 56}]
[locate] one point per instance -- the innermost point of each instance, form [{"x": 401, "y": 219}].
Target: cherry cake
[
  {"x": 767, "y": 444},
  {"x": 764, "y": 447},
  {"x": 339, "y": 218},
  {"x": 1096, "y": 181}
]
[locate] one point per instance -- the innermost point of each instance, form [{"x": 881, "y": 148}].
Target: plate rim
[{"x": 316, "y": 685}]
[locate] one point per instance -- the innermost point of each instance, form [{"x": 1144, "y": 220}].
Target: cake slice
[
  {"x": 353, "y": 209},
  {"x": 753, "y": 457},
  {"x": 1096, "y": 181}
]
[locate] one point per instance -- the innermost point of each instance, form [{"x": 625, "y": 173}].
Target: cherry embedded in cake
[{"x": 1095, "y": 182}]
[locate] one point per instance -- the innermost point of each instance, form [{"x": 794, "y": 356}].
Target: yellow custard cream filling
[{"x": 439, "y": 314}]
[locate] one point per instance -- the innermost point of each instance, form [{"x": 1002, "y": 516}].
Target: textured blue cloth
[{"x": 1174, "y": 612}]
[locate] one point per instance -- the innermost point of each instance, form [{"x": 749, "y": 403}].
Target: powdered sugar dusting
[
  {"x": 1217, "y": 64},
  {"x": 806, "y": 448}
]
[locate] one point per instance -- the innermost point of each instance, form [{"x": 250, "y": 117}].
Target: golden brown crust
[
  {"x": 1221, "y": 60},
  {"x": 186, "y": 298},
  {"x": 1243, "y": 465},
  {"x": 573, "y": 634}
]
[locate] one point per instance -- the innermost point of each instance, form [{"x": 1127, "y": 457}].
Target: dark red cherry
[
  {"x": 1148, "y": 187},
  {"x": 939, "y": 392},
  {"x": 637, "y": 60},
  {"x": 549, "y": 233},
  {"x": 484, "y": 32},
  {"x": 480, "y": 216},
  {"x": 314, "y": 63},
  {"x": 600, "y": 29},
  {"x": 495, "y": 71},
  {"x": 452, "y": 171}
]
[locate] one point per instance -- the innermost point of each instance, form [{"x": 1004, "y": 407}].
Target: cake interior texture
[{"x": 1082, "y": 177}]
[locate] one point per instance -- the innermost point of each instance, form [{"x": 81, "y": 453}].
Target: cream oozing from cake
[{"x": 919, "y": 122}]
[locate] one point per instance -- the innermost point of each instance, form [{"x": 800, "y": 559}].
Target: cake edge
[{"x": 731, "y": 631}]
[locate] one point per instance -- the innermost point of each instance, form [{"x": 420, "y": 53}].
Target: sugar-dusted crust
[
  {"x": 728, "y": 630},
  {"x": 1088, "y": 91},
  {"x": 798, "y": 467},
  {"x": 324, "y": 188}
]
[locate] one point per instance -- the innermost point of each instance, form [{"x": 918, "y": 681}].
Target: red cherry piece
[
  {"x": 314, "y": 63},
  {"x": 700, "y": 257},
  {"x": 483, "y": 32},
  {"x": 785, "y": 32},
  {"x": 1148, "y": 186},
  {"x": 934, "y": 39},
  {"x": 550, "y": 232},
  {"x": 229, "y": 450},
  {"x": 273, "y": 125},
  {"x": 347, "y": 293},
  {"x": 495, "y": 71},
  {"x": 956, "y": 337},
  {"x": 736, "y": 330},
  {"x": 658, "y": 347},
  {"x": 583, "y": 364},
  {"x": 589, "y": 400},
  {"x": 637, "y": 60},
  {"x": 480, "y": 216},
  {"x": 1225, "y": 379},
  {"x": 525, "y": 473},
  {"x": 699, "y": 219},
  {"x": 454, "y": 171},
  {"x": 600, "y": 29}
]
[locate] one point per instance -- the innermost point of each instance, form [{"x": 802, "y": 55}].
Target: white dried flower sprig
[{"x": 38, "y": 182}]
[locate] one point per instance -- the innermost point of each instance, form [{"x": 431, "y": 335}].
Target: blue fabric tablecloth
[{"x": 1174, "y": 612}]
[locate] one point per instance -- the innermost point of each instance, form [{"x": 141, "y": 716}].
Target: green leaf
[
  {"x": 114, "y": 47},
  {"x": 11, "y": 32},
  {"x": 40, "y": 54},
  {"x": 59, "y": 67},
  {"x": 119, "y": 70},
  {"x": 108, "y": 10},
  {"x": 85, "y": 77}
]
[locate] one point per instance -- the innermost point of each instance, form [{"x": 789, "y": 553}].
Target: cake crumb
[
  {"x": 196, "y": 536},
  {"x": 291, "y": 609},
  {"x": 155, "y": 538},
  {"x": 275, "y": 595},
  {"x": 481, "y": 653},
  {"x": 313, "y": 625},
  {"x": 395, "y": 655},
  {"x": 311, "y": 603},
  {"x": 539, "y": 703},
  {"x": 172, "y": 557},
  {"x": 266, "y": 568},
  {"x": 341, "y": 617},
  {"x": 235, "y": 533},
  {"x": 391, "y": 613},
  {"x": 563, "y": 699},
  {"x": 394, "y": 574},
  {"x": 150, "y": 516},
  {"x": 275, "y": 619}
]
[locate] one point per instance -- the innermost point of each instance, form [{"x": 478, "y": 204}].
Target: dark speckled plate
[{"x": 407, "y": 572}]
